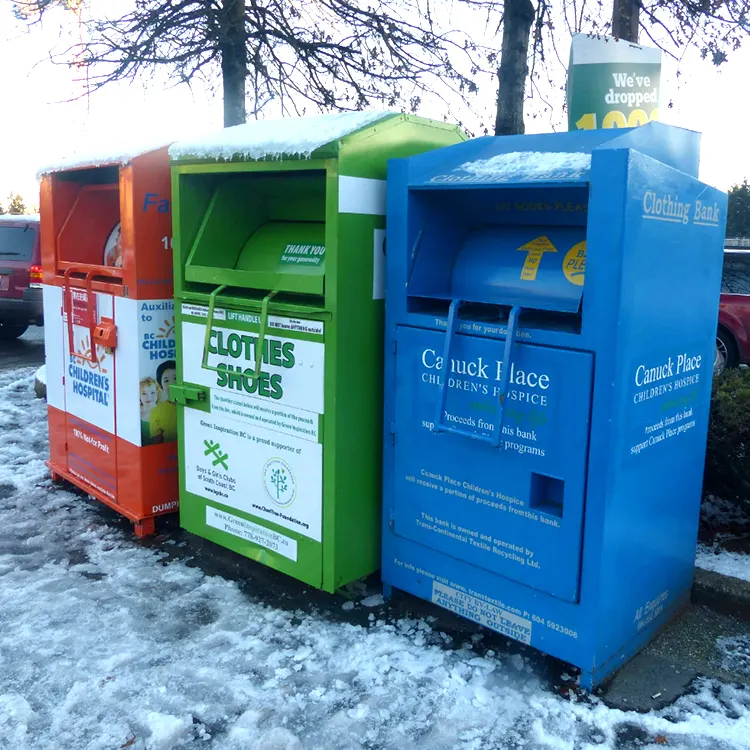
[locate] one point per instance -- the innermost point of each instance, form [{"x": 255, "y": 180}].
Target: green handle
[
  {"x": 184, "y": 394},
  {"x": 261, "y": 334},
  {"x": 209, "y": 327}
]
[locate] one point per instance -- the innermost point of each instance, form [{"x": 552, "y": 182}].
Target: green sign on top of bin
[{"x": 279, "y": 272}]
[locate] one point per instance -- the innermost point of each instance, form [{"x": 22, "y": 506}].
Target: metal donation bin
[
  {"x": 550, "y": 328},
  {"x": 279, "y": 271},
  {"x": 106, "y": 228}
]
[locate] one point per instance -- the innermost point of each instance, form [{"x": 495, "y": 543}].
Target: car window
[
  {"x": 736, "y": 277},
  {"x": 16, "y": 243}
]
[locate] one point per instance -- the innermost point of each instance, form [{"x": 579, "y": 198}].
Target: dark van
[{"x": 20, "y": 275}]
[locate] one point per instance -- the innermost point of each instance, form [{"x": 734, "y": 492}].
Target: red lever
[{"x": 105, "y": 333}]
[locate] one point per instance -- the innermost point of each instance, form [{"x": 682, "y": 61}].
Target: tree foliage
[
  {"x": 738, "y": 212},
  {"x": 353, "y": 54},
  {"x": 332, "y": 54},
  {"x": 16, "y": 204},
  {"x": 728, "y": 449},
  {"x": 715, "y": 27}
]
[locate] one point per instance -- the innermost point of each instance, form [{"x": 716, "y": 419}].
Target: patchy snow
[
  {"x": 525, "y": 166},
  {"x": 735, "y": 653},
  {"x": 290, "y": 136},
  {"x": 733, "y": 564},
  {"x": 41, "y": 375},
  {"x": 108, "y": 643},
  {"x": 85, "y": 157},
  {"x": 19, "y": 217}
]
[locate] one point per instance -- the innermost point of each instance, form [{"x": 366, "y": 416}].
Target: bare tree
[
  {"x": 513, "y": 71},
  {"x": 625, "y": 19},
  {"x": 333, "y": 54}
]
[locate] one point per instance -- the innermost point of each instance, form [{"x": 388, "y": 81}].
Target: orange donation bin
[{"x": 106, "y": 229}]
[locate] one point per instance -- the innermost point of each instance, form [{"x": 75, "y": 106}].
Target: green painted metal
[{"x": 284, "y": 466}]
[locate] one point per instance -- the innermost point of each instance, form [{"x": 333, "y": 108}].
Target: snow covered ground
[
  {"x": 105, "y": 644},
  {"x": 734, "y": 564},
  {"x": 721, "y": 514}
]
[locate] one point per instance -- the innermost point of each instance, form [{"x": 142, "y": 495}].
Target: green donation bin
[{"x": 279, "y": 242}]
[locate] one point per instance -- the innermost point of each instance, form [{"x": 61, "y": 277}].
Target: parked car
[
  {"x": 20, "y": 275},
  {"x": 733, "y": 335}
]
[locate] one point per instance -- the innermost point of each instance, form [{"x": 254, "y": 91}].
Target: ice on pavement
[
  {"x": 718, "y": 560},
  {"x": 735, "y": 653},
  {"x": 106, "y": 644}
]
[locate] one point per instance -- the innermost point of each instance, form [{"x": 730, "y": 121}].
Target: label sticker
[
  {"x": 472, "y": 608},
  {"x": 201, "y": 311},
  {"x": 274, "y": 477},
  {"x": 303, "y": 255},
  {"x": 252, "y": 532}
]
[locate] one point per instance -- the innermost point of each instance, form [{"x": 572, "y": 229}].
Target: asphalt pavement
[{"x": 28, "y": 351}]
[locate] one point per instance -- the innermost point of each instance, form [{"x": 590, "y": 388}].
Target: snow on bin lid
[
  {"x": 290, "y": 136},
  {"x": 527, "y": 166},
  {"x": 103, "y": 156}
]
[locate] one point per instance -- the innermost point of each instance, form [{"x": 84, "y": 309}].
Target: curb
[{"x": 729, "y": 596}]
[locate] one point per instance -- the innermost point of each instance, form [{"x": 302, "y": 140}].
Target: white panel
[
  {"x": 361, "y": 195},
  {"x": 55, "y": 356}
]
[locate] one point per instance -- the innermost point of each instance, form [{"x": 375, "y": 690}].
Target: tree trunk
[
  {"x": 233, "y": 61},
  {"x": 625, "y": 17},
  {"x": 517, "y": 20}
]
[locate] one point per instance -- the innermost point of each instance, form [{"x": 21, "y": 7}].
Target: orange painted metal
[{"x": 109, "y": 332}]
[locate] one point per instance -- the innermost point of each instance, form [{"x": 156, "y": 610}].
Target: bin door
[
  {"x": 89, "y": 392},
  {"x": 516, "y": 509},
  {"x": 252, "y": 453}
]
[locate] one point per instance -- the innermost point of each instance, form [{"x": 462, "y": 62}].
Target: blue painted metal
[{"x": 546, "y": 409}]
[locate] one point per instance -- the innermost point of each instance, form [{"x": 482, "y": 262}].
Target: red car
[
  {"x": 733, "y": 336},
  {"x": 20, "y": 275}
]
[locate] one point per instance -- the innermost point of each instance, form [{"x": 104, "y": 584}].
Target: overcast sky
[{"x": 36, "y": 127}]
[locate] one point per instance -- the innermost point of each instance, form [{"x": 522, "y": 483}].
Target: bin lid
[
  {"x": 287, "y": 248},
  {"x": 547, "y": 158},
  {"x": 290, "y": 136},
  {"x": 539, "y": 268}
]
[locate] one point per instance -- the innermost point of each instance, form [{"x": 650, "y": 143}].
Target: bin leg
[
  {"x": 55, "y": 477},
  {"x": 387, "y": 591},
  {"x": 145, "y": 527}
]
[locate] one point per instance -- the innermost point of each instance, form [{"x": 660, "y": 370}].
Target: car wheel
[
  {"x": 10, "y": 331},
  {"x": 726, "y": 352}
]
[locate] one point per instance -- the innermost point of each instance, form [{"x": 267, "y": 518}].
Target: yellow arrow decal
[{"x": 534, "y": 251}]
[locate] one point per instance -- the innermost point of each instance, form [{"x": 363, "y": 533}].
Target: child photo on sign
[
  {"x": 149, "y": 399},
  {"x": 163, "y": 418}
]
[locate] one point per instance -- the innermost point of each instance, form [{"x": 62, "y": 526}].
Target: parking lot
[{"x": 28, "y": 351}]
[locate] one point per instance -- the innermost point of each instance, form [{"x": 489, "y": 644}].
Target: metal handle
[
  {"x": 510, "y": 339},
  {"x": 261, "y": 335},
  {"x": 440, "y": 426}
]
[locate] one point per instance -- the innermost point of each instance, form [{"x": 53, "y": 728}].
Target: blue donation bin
[{"x": 551, "y": 314}]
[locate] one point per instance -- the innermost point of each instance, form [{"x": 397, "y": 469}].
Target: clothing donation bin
[
  {"x": 109, "y": 330},
  {"x": 279, "y": 271},
  {"x": 550, "y": 327}
]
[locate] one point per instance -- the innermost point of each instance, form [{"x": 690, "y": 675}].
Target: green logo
[
  {"x": 279, "y": 482},
  {"x": 214, "y": 449}
]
